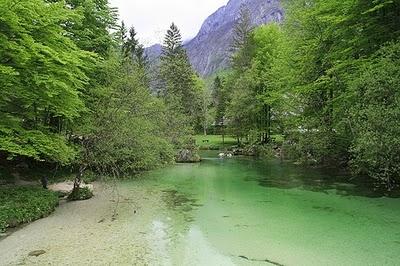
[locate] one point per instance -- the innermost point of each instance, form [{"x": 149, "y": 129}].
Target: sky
[{"x": 151, "y": 18}]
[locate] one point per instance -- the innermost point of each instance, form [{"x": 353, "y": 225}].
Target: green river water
[{"x": 242, "y": 211}]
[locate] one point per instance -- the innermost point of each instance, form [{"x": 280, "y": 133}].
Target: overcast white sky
[{"x": 151, "y": 18}]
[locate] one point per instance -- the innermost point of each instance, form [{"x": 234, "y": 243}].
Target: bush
[
  {"x": 20, "y": 205},
  {"x": 89, "y": 177},
  {"x": 266, "y": 151},
  {"x": 80, "y": 194},
  {"x": 376, "y": 146}
]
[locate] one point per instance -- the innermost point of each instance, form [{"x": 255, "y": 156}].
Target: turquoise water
[{"x": 247, "y": 212}]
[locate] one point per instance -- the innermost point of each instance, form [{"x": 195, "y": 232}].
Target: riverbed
[{"x": 236, "y": 211}]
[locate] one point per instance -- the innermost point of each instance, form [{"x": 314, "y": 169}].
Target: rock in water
[
  {"x": 188, "y": 156},
  {"x": 36, "y": 253}
]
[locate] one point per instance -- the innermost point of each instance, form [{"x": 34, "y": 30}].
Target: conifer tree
[
  {"x": 133, "y": 50},
  {"x": 177, "y": 76},
  {"x": 242, "y": 29},
  {"x": 131, "y": 44},
  {"x": 122, "y": 33},
  {"x": 240, "y": 45},
  {"x": 172, "y": 42}
]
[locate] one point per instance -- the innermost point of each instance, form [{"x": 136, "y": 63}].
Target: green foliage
[
  {"x": 37, "y": 145},
  {"x": 83, "y": 193},
  {"x": 24, "y": 204},
  {"x": 375, "y": 116},
  {"x": 205, "y": 114},
  {"x": 181, "y": 89},
  {"x": 129, "y": 130},
  {"x": 132, "y": 49},
  {"x": 73, "y": 95},
  {"x": 173, "y": 42},
  {"x": 42, "y": 73},
  {"x": 241, "y": 37},
  {"x": 91, "y": 31},
  {"x": 256, "y": 95},
  {"x": 220, "y": 100},
  {"x": 328, "y": 80},
  {"x": 89, "y": 177},
  {"x": 330, "y": 40}
]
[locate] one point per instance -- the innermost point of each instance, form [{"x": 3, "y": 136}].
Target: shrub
[
  {"x": 376, "y": 145},
  {"x": 80, "y": 194}
]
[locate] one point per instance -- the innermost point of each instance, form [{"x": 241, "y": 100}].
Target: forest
[
  {"x": 78, "y": 92},
  {"x": 75, "y": 90},
  {"x": 327, "y": 79}
]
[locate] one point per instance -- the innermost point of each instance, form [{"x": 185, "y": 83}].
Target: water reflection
[{"x": 286, "y": 175}]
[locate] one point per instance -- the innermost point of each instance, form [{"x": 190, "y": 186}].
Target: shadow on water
[{"x": 285, "y": 175}]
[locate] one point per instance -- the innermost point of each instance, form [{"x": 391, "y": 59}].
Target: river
[{"x": 236, "y": 211}]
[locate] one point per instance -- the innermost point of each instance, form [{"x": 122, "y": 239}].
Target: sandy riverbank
[{"x": 88, "y": 233}]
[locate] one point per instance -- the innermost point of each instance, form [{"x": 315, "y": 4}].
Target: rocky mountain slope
[{"x": 209, "y": 50}]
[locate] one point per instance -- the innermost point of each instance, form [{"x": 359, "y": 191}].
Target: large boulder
[
  {"x": 188, "y": 156},
  {"x": 65, "y": 188}
]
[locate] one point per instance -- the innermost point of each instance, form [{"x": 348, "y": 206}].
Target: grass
[
  {"x": 214, "y": 142},
  {"x": 19, "y": 205}
]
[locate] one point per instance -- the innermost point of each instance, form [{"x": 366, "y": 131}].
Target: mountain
[
  {"x": 209, "y": 50},
  {"x": 153, "y": 53}
]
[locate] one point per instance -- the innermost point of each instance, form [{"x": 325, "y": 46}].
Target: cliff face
[{"x": 209, "y": 50}]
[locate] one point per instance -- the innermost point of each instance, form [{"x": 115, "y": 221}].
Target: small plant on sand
[{"x": 80, "y": 194}]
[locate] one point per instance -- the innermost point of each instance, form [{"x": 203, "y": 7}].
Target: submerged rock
[
  {"x": 188, "y": 156},
  {"x": 36, "y": 253}
]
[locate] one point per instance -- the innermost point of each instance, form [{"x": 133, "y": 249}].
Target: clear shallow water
[{"x": 246, "y": 212}]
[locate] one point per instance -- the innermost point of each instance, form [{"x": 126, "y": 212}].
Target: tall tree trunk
[{"x": 269, "y": 124}]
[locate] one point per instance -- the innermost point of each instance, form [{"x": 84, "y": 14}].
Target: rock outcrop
[
  {"x": 209, "y": 50},
  {"x": 188, "y": 156}
]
